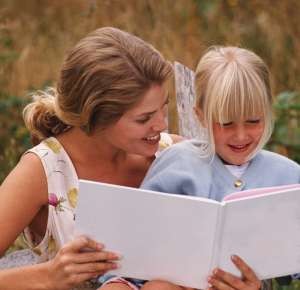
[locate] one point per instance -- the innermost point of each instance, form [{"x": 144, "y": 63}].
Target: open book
[{"x": 182, "y": 238}]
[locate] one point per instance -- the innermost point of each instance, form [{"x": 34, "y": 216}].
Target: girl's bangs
[{"x": 241, "y": 99}]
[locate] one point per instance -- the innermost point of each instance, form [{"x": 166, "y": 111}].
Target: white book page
[
  {"x": 160, "y": 236},
  {"x": 265, "y": 232}
]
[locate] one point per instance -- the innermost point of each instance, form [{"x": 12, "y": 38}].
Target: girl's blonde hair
[
  {"x": 232, "y": 84},
  {"x": 104, "y": 75}
]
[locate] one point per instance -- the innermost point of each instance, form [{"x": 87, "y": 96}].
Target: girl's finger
[
  {"x": 247, "y": 272},
  {"x": 230, "y": 279},
  {"x": 218, "y": 284}
]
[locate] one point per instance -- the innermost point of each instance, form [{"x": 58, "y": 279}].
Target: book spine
[{"x": 218, "y": 237}]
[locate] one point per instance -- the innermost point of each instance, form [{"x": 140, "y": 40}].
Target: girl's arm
[{"x": 22, "y": 195}]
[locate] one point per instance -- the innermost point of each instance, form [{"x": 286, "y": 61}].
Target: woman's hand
[
  {"x": 78, "y": 261},
  {"x": 222, "y": 280}
]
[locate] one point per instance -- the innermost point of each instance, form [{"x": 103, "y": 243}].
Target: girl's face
[
  {"x": 138, "y": 130},
  {"x": 235, "y": 141}
]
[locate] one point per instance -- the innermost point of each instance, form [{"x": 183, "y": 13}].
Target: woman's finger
[
  {"x": 87, "y": 257},
  {"x": 82, "y": 243},
  {"x": 98, "y": 268},
  {"x": 77, "y": 279}
]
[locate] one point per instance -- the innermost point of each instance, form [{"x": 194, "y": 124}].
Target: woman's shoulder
[
  {"x": 27, "y": 180},
  {"x": 167, "y": 140},
  {"x": 48, "y": 146}
]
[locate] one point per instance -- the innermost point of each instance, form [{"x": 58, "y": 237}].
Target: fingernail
[
  {"x": 100, "y": 246},
  {"x": 118, "y": 256},
  {"x": 115, "y": 266},
  {"x": 234, "y": 258}
]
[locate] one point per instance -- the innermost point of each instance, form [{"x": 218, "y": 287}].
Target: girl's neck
[{"x": 227, "y": 163}]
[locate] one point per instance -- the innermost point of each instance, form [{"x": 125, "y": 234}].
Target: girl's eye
[
  {"x": 254, "y": 121},
  {"x": 226, "y": 124}
]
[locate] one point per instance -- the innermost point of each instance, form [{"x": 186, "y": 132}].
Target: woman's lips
[{"x": 152, "y": 140}]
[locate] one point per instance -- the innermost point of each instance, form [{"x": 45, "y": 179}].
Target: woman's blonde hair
[
  {"x": 232, "y": 84},
  {"x": 104, "y": 75}
]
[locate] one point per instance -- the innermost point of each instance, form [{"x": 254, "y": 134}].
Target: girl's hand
[
  {"x": 222, "y": 280},
  {"x": 78, "y": 261}
]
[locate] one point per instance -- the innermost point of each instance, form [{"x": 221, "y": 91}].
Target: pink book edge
[{"x": 258, "y": 191}]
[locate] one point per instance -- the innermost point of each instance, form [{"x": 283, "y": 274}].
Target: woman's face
[{"x": 138, "y": 130}]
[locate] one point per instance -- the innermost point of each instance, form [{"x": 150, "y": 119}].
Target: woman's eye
[{"x": 143, "y": 121}]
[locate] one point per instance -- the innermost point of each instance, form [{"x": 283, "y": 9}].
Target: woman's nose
[{"x": 161, "y": 122}]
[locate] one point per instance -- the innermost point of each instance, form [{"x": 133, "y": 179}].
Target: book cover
[{"x": 182, "y": 238}]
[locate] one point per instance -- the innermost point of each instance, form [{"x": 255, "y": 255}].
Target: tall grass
[{"x": 35, "y": 34}]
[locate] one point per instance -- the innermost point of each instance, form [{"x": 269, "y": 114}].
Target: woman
[{"x": 103, "y": 122}]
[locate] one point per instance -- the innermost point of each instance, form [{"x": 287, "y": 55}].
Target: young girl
[{"x": 234, "y": 104}]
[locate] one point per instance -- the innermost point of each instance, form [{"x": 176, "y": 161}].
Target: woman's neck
[
  {"x": 83, "y": 148},
  {"x": 99, "y": 161}
]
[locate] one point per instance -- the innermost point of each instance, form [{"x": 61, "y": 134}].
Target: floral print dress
[
  {"x": 62, "y": 195},
  {"x": 62, "y": 182}
]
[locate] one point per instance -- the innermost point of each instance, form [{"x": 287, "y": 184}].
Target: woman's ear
[{"x": 200, "y": 115}]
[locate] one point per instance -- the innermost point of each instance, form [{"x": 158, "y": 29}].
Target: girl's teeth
[{"x": 239, "y": 146}]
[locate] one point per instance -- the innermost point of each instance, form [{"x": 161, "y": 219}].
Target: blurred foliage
[
  {"x": 295, "y": 285},
  {"x": 35, "y": 35},
  {"x": 286, "y": 136},
  {"x": 13, "y": 134}
]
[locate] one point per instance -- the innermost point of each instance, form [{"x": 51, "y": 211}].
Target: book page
[
  {"x": 160, "y": 236},
  {"x": 265, "y": 231}
]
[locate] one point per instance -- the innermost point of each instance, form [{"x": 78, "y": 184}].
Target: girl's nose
[{"x": 241, "y": 133}]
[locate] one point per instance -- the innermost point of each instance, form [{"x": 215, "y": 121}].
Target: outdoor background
[{"x": 35, "y": 34}]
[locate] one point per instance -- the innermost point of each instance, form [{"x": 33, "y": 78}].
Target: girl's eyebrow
[{"x": 153, "y": 112}]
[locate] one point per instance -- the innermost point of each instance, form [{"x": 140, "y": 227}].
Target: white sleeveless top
[{"x": 62, "y": 195}]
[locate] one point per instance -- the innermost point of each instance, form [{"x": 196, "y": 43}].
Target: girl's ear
[{"x": 199, "y": 115}]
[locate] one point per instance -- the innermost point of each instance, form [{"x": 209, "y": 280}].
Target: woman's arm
[
  {"x": 22, "y": 195},
  {"x": 70, "y": 267}
]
